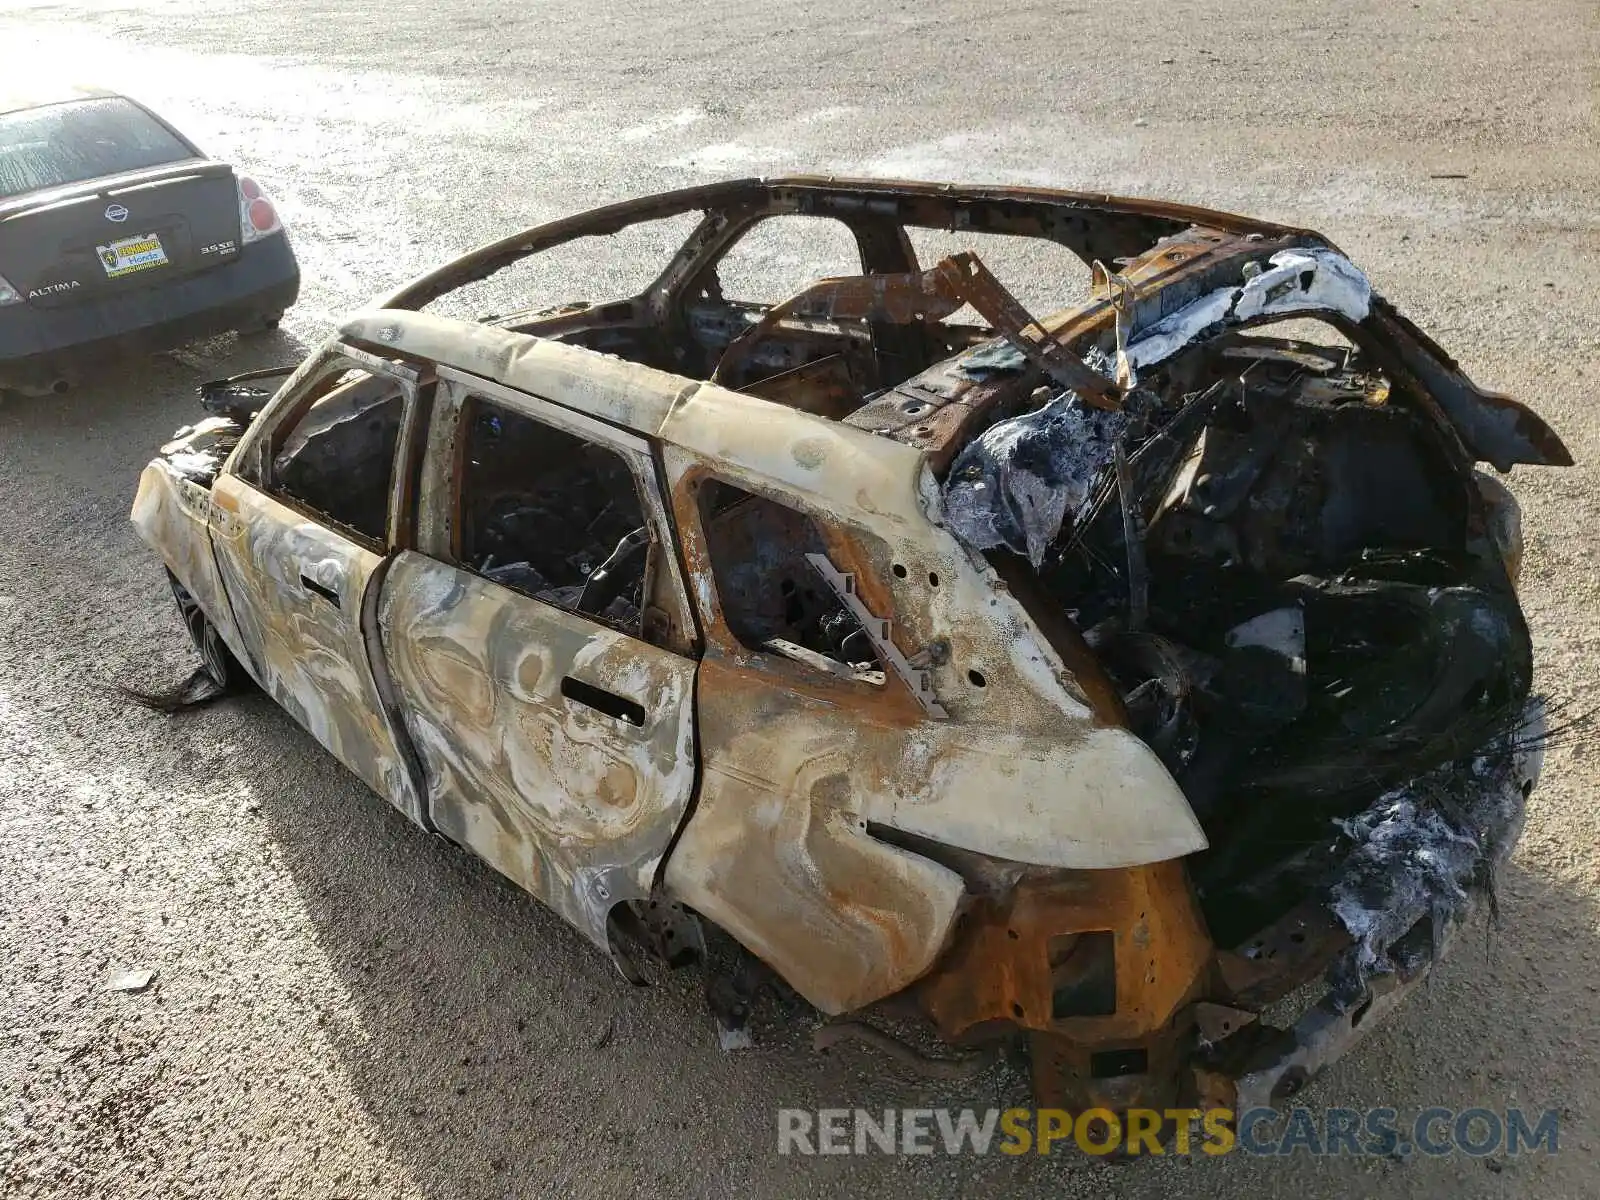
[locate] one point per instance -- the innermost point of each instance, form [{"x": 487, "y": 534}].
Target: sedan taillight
[
  {"x": 257, "y": 217},
  {"x": 8, "y": 294}
]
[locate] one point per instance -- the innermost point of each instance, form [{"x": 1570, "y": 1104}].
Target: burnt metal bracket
[
  {"x": 975, "y": 283},
  {"x": 877, "y": 631},
  {"x": 928, "y": 296}
]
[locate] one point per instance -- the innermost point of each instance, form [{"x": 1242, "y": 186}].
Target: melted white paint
[{"x": 1295, "y": 281}]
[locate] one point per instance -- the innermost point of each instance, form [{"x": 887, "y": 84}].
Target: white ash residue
[{"x": 1294, "y": 281}]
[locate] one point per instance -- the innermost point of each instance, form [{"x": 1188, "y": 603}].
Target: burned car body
[{"x": 1097, "y": 677}]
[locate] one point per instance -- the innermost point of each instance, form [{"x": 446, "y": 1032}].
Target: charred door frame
[
  {"x": 251, "y": 460},
  {"x": 251, "y": 465},
  {"x": 438, "y": 513},
  {"x": 600, "y": 873}
]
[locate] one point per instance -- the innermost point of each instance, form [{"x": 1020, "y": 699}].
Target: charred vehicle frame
[{"x": 1098, "y": 677}]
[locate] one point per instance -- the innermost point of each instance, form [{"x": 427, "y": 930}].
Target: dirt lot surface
[{"x": 344, "y": 1008}]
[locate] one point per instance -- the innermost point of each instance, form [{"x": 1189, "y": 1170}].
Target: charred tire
[{"x": 218, "y": 660}]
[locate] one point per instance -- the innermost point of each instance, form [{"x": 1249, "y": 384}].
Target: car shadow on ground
[
  {"x": 72, "y": 460},
  {"x": 145, "y": 396}
]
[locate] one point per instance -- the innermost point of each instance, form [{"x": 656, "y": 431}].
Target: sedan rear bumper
[{"x": 39, "y": 345}]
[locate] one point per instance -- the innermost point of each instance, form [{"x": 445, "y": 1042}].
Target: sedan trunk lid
[{"x": 73, "y": 243}]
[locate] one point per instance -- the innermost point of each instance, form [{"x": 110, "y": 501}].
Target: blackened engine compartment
[{"x": 1288, "y": 581}]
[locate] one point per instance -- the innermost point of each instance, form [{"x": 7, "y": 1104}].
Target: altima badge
[{"x": 117, "y": 213}]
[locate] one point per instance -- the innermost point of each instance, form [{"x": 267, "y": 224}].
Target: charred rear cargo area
[{"x": 1293, "y": 589}]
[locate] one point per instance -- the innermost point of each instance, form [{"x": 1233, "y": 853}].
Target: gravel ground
[{"x": 344, "y": 1008}]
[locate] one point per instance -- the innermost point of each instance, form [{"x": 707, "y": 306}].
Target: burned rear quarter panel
[{"x": 780, "y": 848}]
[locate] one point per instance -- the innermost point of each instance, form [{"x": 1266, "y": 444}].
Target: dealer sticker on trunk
[{"x": 128, "y": 255}]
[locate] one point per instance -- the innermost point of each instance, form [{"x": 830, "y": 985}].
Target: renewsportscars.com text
[{"x": 1477, "y": 1132}]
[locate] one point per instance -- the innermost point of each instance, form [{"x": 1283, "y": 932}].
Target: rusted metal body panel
[
  {"x": 1017, "y": 959},
  {"x": 310, "y": 654},
  {"x": 935, "y": 293},
  {"x": 570, "y": 804},
  {"x": 1003, "y": 968}
]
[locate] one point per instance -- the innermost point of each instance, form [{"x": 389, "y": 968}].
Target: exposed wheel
[{"x": 219, "y": 663}]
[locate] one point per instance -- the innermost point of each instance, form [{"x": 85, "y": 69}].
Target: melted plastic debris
[
  {"x": 1426, "y": 850},
  {"x": 197, "y": 452},
  {"x": 195, "y": 466},
  {"x": 997, "y": 358},
  {"x": 1014, "y": 485},
  {"x": 1295, "y": 281},
  {"x": 237, "y": 401},
  {"x": 198, "y": 688}
]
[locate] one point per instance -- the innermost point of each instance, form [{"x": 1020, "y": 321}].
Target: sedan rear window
[{"x": 59, "y": 144}]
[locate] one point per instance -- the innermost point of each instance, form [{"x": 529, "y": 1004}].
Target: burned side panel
[
  {"x": 1005, "y": 758},
  {"x": 560, "y": 751},
  {"x": 297, "y": 590},
  {"x": 1061, "y": 787},
  {"x": 172, "y": 515},
  {"x": 778, "y": 854}
]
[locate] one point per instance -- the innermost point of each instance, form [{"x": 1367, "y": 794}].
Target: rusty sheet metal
[
  {"x": 310, "y": 655},
  {"x": 172, "y": 515},
  {"x": 1496, "y": 428},
  {"x": 1013, "y": 959},
  {"x": 1291, "y": 951},
  {"x": 574, "y": 805},
  {"x": 937, "y": 411},
  {"x": 929, "y": 296},
  {"x": 1002, "y": 310},
  {"x": 823, "y": 387},
  {"x": 775, "y": 854},
  {"x": 900, "y": 299},
  {"x": 1003, "y": 967}
]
